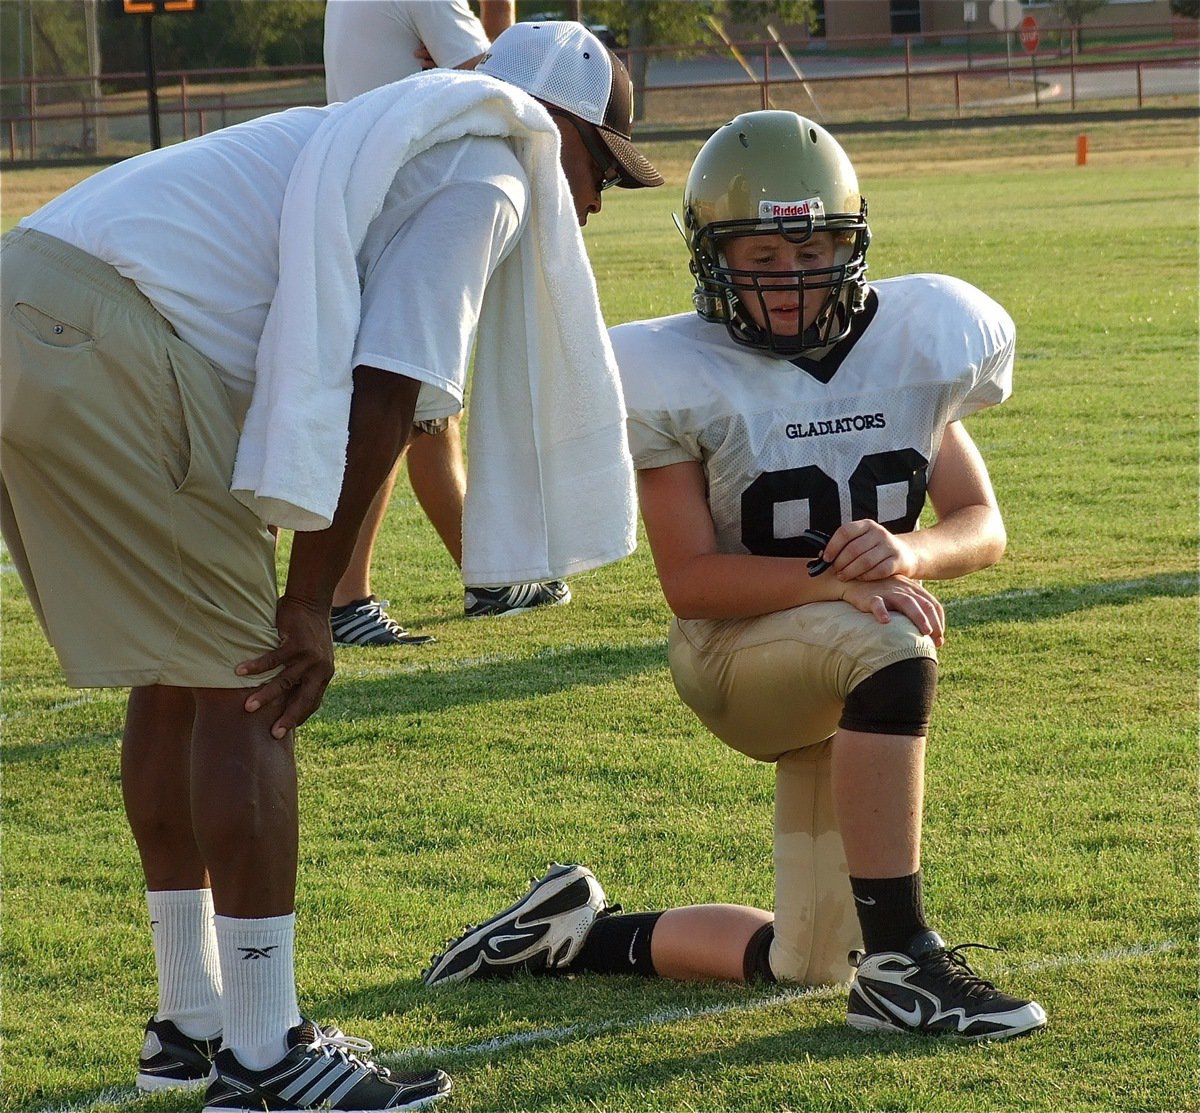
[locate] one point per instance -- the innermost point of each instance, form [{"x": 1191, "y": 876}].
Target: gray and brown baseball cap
[{"x": 562, "y": 63}]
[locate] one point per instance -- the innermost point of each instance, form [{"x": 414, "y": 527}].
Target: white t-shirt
[
  {"x": 196, "y": 227},
  {"x": 369, "y": 43},
  {"x": 784, "y": 449}
]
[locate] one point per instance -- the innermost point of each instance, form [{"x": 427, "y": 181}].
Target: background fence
[{"x": 108, "y": 116}]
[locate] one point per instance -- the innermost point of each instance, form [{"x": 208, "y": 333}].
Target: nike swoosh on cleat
[
  {"x": 911, "y": 1017},
  {"x": 496, "y": 941}
]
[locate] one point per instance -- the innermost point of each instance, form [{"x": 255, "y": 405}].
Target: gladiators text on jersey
[{"x": 856, "y": 424}]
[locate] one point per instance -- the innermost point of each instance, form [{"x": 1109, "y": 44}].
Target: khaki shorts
[
  {"x": 773, "y": 687},
  {"x": 118, "y": 444},
  {"x": 434, "y": 427}
]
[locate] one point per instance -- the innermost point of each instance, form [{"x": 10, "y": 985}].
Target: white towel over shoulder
[{"x": 550, "y": 482}]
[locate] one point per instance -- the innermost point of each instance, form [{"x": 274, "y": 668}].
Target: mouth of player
[{"x": 785, "y": 318}]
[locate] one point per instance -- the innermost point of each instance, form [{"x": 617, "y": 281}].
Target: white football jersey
[{"x": 790, "y": 445}]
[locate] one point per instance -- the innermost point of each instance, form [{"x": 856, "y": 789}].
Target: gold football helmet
[{"x": 778, "y": 174}]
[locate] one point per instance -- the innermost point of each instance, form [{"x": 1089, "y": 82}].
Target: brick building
[{"x": 847, "y": 19}]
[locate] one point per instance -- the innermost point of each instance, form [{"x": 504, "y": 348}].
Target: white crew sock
[
  {"x": 259, "y": 978},
  {"x": 185, "y": 955}
]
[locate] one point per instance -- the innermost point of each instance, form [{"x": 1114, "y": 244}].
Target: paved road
[{"x": 1157, "y": 81}]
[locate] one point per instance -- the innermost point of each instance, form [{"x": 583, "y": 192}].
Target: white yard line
[
  {"x": 126, "y": 1098},
  {"x": 1120, "y": 587},
  {"x": 94, "y": 695},
  {"x": 348, "y": 671},
  {"x": 783, "y": 997}
]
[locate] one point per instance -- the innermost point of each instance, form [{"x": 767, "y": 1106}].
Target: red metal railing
[{"x": 46, "y": 118}]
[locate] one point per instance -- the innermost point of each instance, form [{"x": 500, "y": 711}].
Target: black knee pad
[
  {"x": 895, "y": 700},
  {"x": 756, "y": 965}
]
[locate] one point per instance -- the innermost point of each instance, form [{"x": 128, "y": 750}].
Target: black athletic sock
[
  {"x": 618, "y": 945},
  {"x": 890, "y": 911}
]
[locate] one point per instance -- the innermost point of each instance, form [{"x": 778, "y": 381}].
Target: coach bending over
[{"x": 233, "y": 335}]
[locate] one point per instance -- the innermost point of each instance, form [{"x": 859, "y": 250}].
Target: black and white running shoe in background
[
  {"x": 482, "y": 602},
  {"x": 366, "y": 623},
  {"x": 321, "y": 1070},
  {"x": 543, "y": 931},
  {"x": 932, "y": 989}
]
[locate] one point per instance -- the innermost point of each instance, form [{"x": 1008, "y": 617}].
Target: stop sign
[{"x": 1029, "y": 34}]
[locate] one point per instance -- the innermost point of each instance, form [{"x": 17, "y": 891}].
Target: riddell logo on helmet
[{"x": 776, "y": 210}]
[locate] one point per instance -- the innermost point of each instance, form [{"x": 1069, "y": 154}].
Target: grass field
[{"x": 1061, "y": 817}]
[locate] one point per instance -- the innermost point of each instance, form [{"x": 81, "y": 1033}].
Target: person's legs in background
[
  {"x": 358, "y": 617},
  {"x": 438, "y": 476}
]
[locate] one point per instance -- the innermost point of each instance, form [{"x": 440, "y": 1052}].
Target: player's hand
[
  {"x": 305, "y": 653},
  {"x": 899, "y": 595},
  {"x": 422, "y": 55},
  {"x": 865, "y": 550}
]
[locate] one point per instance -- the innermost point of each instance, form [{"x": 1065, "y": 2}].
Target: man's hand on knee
[{"x": 305, "y": 662}]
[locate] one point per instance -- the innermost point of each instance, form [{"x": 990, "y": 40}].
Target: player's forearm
[
  {"x": 733, "y": 585},
  {"x": 964, "y": 541}
]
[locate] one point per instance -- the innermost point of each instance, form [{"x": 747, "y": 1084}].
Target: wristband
[{"x": 816, "y": 537}]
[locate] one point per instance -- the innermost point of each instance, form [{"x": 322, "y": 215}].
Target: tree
[
  {"x": 43, "y": 40},
  {"x": 48, "y": 39},
  {"x": 680, "y": 23},
  {"x": 1074, "y": 12},
  {"x": 224, "y": 34},
  {"x": 1189, "y": 9}
]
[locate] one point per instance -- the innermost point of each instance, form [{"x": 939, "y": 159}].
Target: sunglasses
[{"x": 601, "y": 157}]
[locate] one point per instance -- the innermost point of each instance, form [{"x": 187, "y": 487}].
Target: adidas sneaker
[
  {"x": 325, "y": 1070},
  {"x": 482, "y": 602},
  {"x": 366, "y": 623},
  {"x": 172, "y": 1061}
]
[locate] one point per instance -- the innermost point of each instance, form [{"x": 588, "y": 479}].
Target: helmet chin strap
[
  {"x": 810, "y": 342},
  {"x": 816, "y": 348}
]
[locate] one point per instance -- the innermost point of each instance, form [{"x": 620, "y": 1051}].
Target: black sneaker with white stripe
[
  {"x": 323, "y": 1069},
  {"x": 542, "y": 932},
  {"x": 484, "y": 602},
  {"x": 172, "y": 1061},
  {"x": 365, "y": 622},
  {"x": 931, "y": 989}
]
